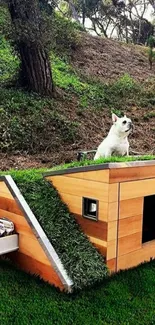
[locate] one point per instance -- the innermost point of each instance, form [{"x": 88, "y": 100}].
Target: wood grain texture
[
  {"x": 131, "y": 173},
  {"x": 34, "y": 267},
  {"x": 102, "y": 250},
  {"x": 129, "y": 243},
  {"x": 97, "y": 175},
  {"x": 131, "y": 190},
  {"x": 131, "y": 208},
  {"x": 130, "y": 226},
  {"x": 113, "y": 211},
  {"x": 10, "y": 205},
  {"x": 111, "y": 249},
  {"x": 30, "y": 246},
  {"x": 4, "y": 191},
  {"x": 97, "y": 241},
  {"x": 112, "y": 230},
  {"x": 81, "y": 187},
  {"x": 112, "y": 265},
  {"x": 74, "y": 204},
  {"x": 92, "y": 228},
  {"x": 20, "y": 223},
  {"x": 134, "y": 258},
  {"x": 113, "y": 192}
]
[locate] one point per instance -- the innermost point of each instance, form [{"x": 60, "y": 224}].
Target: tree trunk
[{"x": 35, "y": 72}]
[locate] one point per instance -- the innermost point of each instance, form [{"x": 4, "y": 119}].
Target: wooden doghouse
[{"x": 115, "y": 206}]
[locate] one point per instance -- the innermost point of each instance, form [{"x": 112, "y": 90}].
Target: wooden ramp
[{"x": 35, "y": 255}]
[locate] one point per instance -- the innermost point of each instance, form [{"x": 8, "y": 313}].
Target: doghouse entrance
[{"x": 148, "y": 219}]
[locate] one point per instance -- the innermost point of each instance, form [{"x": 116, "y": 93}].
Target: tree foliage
[{"x": 121, "y": 19}]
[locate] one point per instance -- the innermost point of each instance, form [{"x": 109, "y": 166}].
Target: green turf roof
[{"x": 84, "y": 163}]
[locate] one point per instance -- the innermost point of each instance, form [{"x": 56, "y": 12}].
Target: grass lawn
[{"x": 125, "y": 299}]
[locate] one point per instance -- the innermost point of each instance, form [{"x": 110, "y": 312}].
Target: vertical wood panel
[
  {"x": 113, "y": 192},
  {"x": 111, "y": 249},
  {"x": 112, "y": 230},
  {"x": 113, "y": 211},
  {"x": 112, "y": 265}
]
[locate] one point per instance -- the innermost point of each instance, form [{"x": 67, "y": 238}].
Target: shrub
[{"x": 124, "y": 85}]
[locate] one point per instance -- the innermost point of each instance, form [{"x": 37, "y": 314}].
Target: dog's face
[{"x": 123, "y": 125}]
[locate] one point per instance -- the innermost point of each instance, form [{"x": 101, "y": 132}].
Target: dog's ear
[{"x": 114, "y": 117}]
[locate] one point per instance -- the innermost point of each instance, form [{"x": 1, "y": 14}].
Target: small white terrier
[{"x": 116, "y": 143}]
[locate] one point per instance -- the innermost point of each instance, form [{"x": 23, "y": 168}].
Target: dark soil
[{"x": 107, "y": 59}]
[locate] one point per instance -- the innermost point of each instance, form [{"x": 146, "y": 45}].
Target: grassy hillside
[
  {"x": 126, "y": 299},
  {"x": 80, "y": 114}
]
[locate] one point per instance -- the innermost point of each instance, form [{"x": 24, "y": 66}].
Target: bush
[
  {"x": 124, "y": 85},
  {"x": 9, "y": 62},
  {"x": 59, "y": 34}
]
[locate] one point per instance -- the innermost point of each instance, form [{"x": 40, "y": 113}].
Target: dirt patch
[{"x": 107, "y": 59}]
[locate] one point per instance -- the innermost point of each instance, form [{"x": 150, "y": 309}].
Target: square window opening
[{"x": 90, "y": 208}]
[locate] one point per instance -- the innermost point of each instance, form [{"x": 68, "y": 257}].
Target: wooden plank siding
[
  {"x": 96, "y": 176},
  {"x": 125, "y": 174},
  {"x": 137, "y": 189},
  {"x": 130, "y": 250},
  {"x": 120, "y": 192},
  {"x": 73, "y": 187}
]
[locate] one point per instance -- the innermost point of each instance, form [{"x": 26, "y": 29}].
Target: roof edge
[{"x": 104, "y": 166}]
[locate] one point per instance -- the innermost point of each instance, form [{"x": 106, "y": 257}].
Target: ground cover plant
[{"x": 124, "y": 299}]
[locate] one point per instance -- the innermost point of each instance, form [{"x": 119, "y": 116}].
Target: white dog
[{"x": 116, "y": 143}]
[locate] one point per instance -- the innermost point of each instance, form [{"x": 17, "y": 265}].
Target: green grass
[
  {"x": 26, "y": 119},
  {"x": 82, "y": 261},
  {"x": 103, "y": 161},
  {"x": 125, "y": 299},
  {"x": 9, "y": 62}
]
